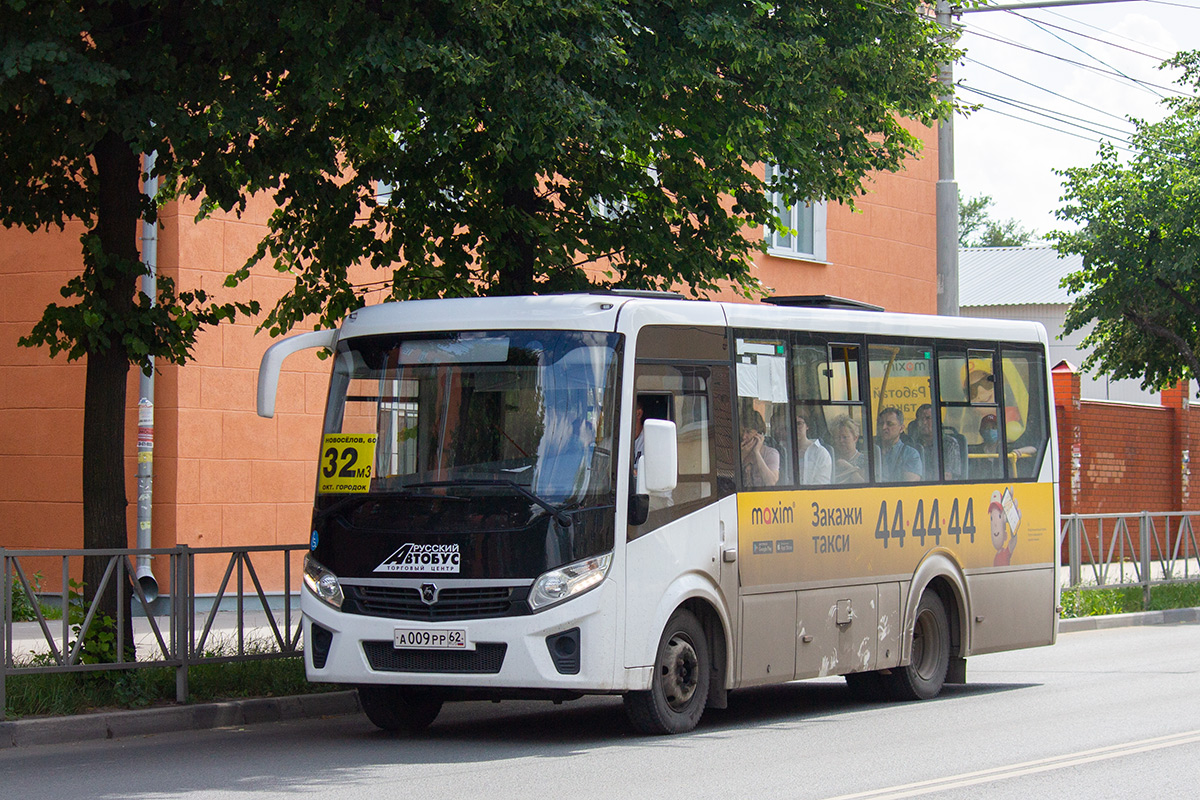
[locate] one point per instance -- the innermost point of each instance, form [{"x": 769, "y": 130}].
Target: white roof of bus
[
  {"x": 745, "y": 315},
  {"x": 600, "y": 312}
]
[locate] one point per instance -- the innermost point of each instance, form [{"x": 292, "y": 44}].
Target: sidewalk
[{"x": 203, "y": 716}]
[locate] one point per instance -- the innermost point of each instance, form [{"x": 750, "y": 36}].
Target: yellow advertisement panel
[
  {"x": 787, "y": 537},
  {"x": 346, "y": 461},
  {"x": 904, "y": 391}
]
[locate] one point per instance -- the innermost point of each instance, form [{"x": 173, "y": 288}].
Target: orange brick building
[{"x": 223, "y": 475}]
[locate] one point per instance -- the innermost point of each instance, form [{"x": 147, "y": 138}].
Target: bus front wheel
[
  {"x": 678, "y": 690},
  {"x": 923, "y": 677},
  {"x": 400, "y": 708}
]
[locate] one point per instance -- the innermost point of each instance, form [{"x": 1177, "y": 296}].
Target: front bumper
[{"x": 511, "y": 652}]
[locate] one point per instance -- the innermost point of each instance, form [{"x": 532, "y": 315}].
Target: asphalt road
[{"x": 1103, "y": 714}]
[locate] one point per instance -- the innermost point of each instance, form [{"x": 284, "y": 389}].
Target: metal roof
[{"x": 1010, "y": 276}]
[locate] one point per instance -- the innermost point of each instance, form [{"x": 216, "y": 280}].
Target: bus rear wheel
[
  {"x": 923, "y": 677},
  {"x": 678, "y": 690},
  {"x": 400, "y": 708}
]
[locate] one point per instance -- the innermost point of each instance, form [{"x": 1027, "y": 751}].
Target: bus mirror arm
[{"x": 272, "y": 360}]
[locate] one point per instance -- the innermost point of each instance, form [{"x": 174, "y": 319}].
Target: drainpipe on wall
[{"x": 145, "y": 438}]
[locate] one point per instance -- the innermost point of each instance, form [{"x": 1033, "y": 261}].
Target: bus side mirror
[{"x": 659, "y": 470}]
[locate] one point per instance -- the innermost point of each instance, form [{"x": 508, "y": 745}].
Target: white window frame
[{"x": 789, "y": 245}]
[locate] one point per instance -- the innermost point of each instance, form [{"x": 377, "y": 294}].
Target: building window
[
  {"x": 805, "y": 223},
  {"x": 383, "y": 192}
]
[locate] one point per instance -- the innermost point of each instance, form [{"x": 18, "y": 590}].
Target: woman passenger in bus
[
  {"x": 760, "y": 461},
  {"x": 849, "y": 465},
  {"x": 816, "y": 465}
]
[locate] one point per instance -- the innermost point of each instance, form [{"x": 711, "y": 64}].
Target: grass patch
[
  {"x": 1097, "y": 602},
  {"x": 57, "y": 694}
]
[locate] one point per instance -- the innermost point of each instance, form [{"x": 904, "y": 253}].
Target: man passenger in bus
[
  {"x": 816, "y": 465},
  {"x": 850, "y": 466},
  {"x": 952, "y": 468},
  {"x": 760, "y": 461},
  {"x": 898, "y": 461}
]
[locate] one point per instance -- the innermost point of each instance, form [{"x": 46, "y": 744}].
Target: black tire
[
  {"x": 400, "y": 708},
  {"x": 678, "y": 690},
  {"x": 925, "y": 674}
]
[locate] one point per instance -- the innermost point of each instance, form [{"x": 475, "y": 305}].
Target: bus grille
[
  {"x": 397, "y": 602},
  {"x": 486, "y": 658}
]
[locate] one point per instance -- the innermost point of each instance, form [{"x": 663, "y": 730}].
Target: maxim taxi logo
[
  {"x": 778, "y": 515},
  {"x": 422, "y": 558}
]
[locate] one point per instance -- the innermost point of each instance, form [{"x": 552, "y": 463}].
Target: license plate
[{"x": 432, "y": 640}]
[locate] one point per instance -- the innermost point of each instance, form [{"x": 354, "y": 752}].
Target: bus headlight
[
  {"x": 321, "y": 582},
  {"x": 573, "y": 579}
]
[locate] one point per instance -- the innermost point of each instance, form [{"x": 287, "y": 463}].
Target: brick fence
[{"x": 1123, "y": 457}]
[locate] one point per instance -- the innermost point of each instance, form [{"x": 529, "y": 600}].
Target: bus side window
[
  {"x": 1026, "y": 427},
  {"x": 764, "y": 418},
  {"x": 901, "y": 374},
  {"x": 691, "y": 397},
  {"x": 828, "y": 413}
]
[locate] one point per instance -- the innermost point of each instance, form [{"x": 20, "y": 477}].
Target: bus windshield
[{"x": 506, "y": 412}]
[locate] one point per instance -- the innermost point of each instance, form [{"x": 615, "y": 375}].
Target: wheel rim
[
  {"x": 679, "y": 672},
  {"x": 927, "y": 645}
]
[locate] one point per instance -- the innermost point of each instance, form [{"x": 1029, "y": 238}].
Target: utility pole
[
  {"x": 947, "y": 186},
  {"x": 947, "y": 189}
]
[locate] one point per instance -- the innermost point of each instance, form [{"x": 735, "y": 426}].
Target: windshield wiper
[{"x": 562, "y": 517}]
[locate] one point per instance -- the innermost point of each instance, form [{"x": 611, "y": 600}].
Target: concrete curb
[
  {"x": 1167, "y": 617},
  {"x": 203, "y": 716}
]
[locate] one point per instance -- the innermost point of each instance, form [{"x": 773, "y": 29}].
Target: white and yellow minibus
[{"x": 631, "y": 493}]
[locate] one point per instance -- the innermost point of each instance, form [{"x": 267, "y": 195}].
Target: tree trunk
[
  {"x": 118, "y": 171},
  {"x": 518, "y": 245}
]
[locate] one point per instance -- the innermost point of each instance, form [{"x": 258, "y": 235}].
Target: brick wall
[{"x": 1123, "y": 457}]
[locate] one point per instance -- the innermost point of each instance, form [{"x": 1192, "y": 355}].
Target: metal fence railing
[
  {"x": 186, "y": 634},
  {"x": 1142, "y": 549}
]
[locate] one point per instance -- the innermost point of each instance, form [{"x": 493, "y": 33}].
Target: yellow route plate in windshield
[{"x": 346, "y": 461}]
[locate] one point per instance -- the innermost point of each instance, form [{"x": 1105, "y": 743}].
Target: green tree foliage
[
  {"x": 520, "y": 139},
  {"x": 524, "y": 140},
  {"x": 1137, "y": 232},
  {"x": 976, "y": 228}
]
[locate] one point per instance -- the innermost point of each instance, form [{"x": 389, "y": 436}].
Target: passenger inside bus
[
  {"x": 897, "y": 461},
  {"x": 985, "y": 456},
  {"x": 816, "y": 464},
  {"x": 953, "y": 446},
  {"x": 849, "y": 465},
  {"x": 760, "y": 461}
]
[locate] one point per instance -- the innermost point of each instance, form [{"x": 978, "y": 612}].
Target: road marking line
[{"x": 1024, "y": 768}]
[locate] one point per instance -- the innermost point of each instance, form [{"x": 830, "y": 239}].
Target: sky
[{"x": 1010, "y": 151}]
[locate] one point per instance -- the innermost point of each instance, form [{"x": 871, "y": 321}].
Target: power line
[
  {"x": 1044, "y": 89},
  {"x": 1125, "y": 147},
  {"x": 1163, "y": 54},
  {"x": 1176, "y": 5},
  {"x": 1080, "y": 64},
  {"x": 1095, "y": 58},
  {"x": 1090, "y": 126},
  {"x": 1043, "y": 23}
]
